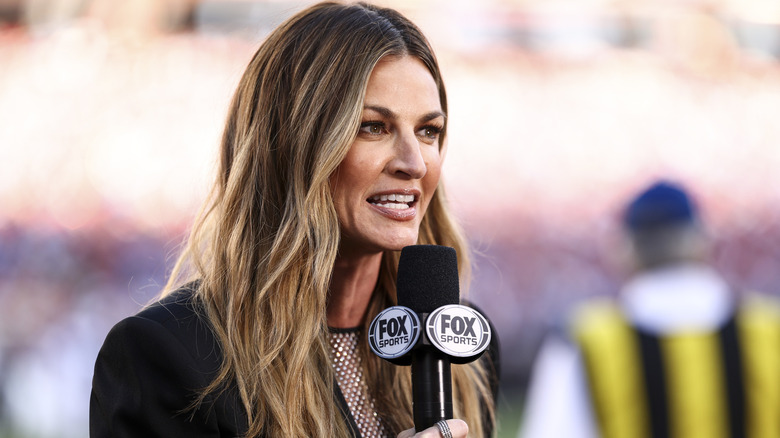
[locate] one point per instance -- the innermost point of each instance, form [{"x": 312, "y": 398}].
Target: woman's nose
[{"x": 408, "y": 157}]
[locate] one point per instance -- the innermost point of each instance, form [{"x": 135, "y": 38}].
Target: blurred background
[{"x": 111, "y": 111}]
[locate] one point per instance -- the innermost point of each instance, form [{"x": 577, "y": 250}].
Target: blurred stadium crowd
[{"x": 110, "y": 113}]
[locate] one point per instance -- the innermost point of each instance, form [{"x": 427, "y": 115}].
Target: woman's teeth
[{"x": 398, "y": 202}]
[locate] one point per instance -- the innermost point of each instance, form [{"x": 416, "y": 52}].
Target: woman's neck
[{"x": 351, "y": 287}]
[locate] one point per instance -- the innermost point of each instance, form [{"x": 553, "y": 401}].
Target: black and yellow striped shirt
[{"x": 720, "y": 384}]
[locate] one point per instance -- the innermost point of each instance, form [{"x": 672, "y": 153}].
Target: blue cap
[{"x": 662, "y": 204}]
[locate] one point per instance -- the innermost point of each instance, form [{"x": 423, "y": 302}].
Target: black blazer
[{"x": 152, "y": 365}]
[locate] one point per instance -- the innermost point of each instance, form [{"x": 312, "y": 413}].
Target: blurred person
[
  {"x": 330, "y": 163},
  {"x": 679, "y": 353}
]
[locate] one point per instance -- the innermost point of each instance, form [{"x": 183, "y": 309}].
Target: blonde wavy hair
[{"x": 265, "y": 243}]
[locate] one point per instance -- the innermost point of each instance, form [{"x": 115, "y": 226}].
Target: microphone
[
  {"x": 429, "y": 330},
  {"x": 427, "y": 280}
]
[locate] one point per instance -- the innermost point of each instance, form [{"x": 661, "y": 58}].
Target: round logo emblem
[
  {"x": 394, "y": 332},
  {"x": 457, "y": 330}
]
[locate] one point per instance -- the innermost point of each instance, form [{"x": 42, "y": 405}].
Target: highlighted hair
[{"x": 266, "y": 241}]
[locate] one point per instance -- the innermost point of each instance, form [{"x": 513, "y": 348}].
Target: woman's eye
[
  {"x": 372, "y": 128},
  {"x": 430, "y": 132}
]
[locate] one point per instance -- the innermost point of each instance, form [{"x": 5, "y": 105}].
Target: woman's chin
[{"x": 398, "y": 241}]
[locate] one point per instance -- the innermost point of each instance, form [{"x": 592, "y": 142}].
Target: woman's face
[{"x": 384, "y": 185}]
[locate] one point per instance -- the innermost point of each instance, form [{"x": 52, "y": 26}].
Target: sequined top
[{"x": 349, "y": 375}]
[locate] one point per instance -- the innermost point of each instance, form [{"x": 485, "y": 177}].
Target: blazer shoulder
[
  {"x": 182, "y": 315},
  {"x": 179, "y": 305},
  {"x": 151, "y": 368}
]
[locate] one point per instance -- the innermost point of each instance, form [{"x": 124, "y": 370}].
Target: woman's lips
[
  {"x": 398, "y": 206},
  {"x": 394, "y": 201}
]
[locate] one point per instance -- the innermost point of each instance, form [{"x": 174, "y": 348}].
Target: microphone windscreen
[{"x": 427, "y": 277}]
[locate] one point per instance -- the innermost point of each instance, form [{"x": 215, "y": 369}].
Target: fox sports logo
[
  {"x": 457, "y": 330},
  {"x": 394, "y": 332}
]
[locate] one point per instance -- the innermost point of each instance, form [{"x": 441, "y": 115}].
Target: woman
[{"x": 330, "y": 163}]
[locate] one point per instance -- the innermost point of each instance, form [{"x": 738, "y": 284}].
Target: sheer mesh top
[{"x": 349, "y": 374}]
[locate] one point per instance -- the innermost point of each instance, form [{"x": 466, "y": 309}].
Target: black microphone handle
[{"x": 431, "y": 387}]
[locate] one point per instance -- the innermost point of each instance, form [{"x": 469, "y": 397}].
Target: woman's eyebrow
[
  {"x": 383, "y": 111},
  {"x": 433, "y": 115},
  {"x": 387, "y": 112}
]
